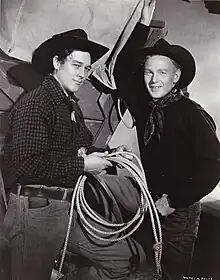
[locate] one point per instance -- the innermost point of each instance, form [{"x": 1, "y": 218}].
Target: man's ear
[
  {"x": 56, "y": 63},
  {"x": 177, "y": 76}
]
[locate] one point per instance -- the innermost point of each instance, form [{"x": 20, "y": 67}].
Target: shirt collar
[{"x": 56, "y": 90}]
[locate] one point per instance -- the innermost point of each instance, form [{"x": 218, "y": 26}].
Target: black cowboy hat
[
  {"x": 177, "y": 53},
  {"x": 72, "y": 39}
]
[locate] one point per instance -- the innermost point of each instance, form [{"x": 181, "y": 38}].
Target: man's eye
[
  {"x": 76, "y": 65},
  {"x": 163, "y": 72},
  {"x": 146, "y": 72}
]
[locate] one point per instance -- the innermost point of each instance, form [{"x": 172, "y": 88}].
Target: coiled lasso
[{"x": 80, "y": 204}]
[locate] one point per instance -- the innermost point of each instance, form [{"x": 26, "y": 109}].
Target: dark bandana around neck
[{"x": 154, "y": 123}]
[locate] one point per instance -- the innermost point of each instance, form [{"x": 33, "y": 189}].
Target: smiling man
[
  {"x": 47, "y": 149},
  {"x": 73, "y": 73},
  {"x": 179, "y": 149},
  {"x": 43, "y": 152},
  {"x": 160, "y": 74}
]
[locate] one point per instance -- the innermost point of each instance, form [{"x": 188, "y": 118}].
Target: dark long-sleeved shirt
[
  {"x": 42, "y": 146},
  {"x": 185, "y": 163}
]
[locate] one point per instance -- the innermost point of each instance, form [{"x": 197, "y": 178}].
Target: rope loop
[{"x": 121, "y": 230}]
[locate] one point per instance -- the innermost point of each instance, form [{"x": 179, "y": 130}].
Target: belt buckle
[
  {"x": 64, "y": 190},
  {"x": 60, "y": 190},
  {"x": 42, "y": 187}
]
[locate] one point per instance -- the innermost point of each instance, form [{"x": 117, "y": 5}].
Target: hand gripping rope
[{"x": 80, "y": 204}]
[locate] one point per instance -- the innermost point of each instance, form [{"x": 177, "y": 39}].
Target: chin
[
  {"x": 158, "y": 94},
  {"x": 74, "y": 88}
]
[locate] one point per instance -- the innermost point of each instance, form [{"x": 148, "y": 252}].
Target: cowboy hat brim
[
  {"x": 177, "y": 53},
  {"x": 43, "y": 55}
]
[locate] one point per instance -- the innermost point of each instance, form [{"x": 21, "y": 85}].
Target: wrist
[
  {"x": 144, "y": 21},
  {"x": 147, "y": 12}
]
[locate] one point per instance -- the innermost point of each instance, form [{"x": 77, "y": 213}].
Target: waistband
[{"x": 41, "y": 191}]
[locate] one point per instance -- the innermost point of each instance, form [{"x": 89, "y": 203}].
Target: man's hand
[
  {"x": 124, "y": 148},
  {"x": 147, "y": 11},
  {"x": 163, "y": 207},
  {"x": 96, "y": 163}
]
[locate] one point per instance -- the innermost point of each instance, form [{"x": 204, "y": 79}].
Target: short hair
[
  {"x": 45, "y": 66},
  {"x": 176, "y": 64},
  {"x": 63, "y": 54}
]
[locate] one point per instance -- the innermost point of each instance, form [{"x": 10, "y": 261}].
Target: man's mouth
[
  {"x": 78, "y": 82},
  {"x": 155, "y": 87}
]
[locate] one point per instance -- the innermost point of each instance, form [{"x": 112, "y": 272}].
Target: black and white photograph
[{"x": 109, "y": 140}]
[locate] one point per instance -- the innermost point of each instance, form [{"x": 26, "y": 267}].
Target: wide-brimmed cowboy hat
[
  {"x": 73, "y": 39},
  {"x": 177, "y": 53}
]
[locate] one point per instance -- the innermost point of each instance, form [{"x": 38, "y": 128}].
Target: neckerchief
[
  {"x": 76, "y": 114},
  {"x": 154, "y": 123}
]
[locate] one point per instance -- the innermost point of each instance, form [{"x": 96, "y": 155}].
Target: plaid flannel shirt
[{"x": 42, "y": 146}]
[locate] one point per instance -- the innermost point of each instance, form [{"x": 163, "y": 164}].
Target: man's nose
[
  {"x": 81, "y": 72},
  {"x": 154, "y": 77}
]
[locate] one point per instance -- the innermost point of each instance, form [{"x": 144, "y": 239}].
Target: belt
[{"x": 41, "y": 191}]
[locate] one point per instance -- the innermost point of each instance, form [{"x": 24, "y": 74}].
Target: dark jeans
[
  {"x": 36, "y": 237},
  {"x": 179, "y": 232}
]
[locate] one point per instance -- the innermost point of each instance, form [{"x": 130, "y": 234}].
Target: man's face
[
  {"x": 73, "y": 71},
  {"x": 160, "y": 75}
]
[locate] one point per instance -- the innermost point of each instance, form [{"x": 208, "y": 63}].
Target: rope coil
[{"x": 81, "y": 206}]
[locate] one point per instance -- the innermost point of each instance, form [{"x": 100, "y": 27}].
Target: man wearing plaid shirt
[{"x": 49, "y": 146}]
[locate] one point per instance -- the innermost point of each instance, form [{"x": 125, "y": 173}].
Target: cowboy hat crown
[
  {"x": 79, "y": 33},
  {"x": 76, "y": 39}
]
